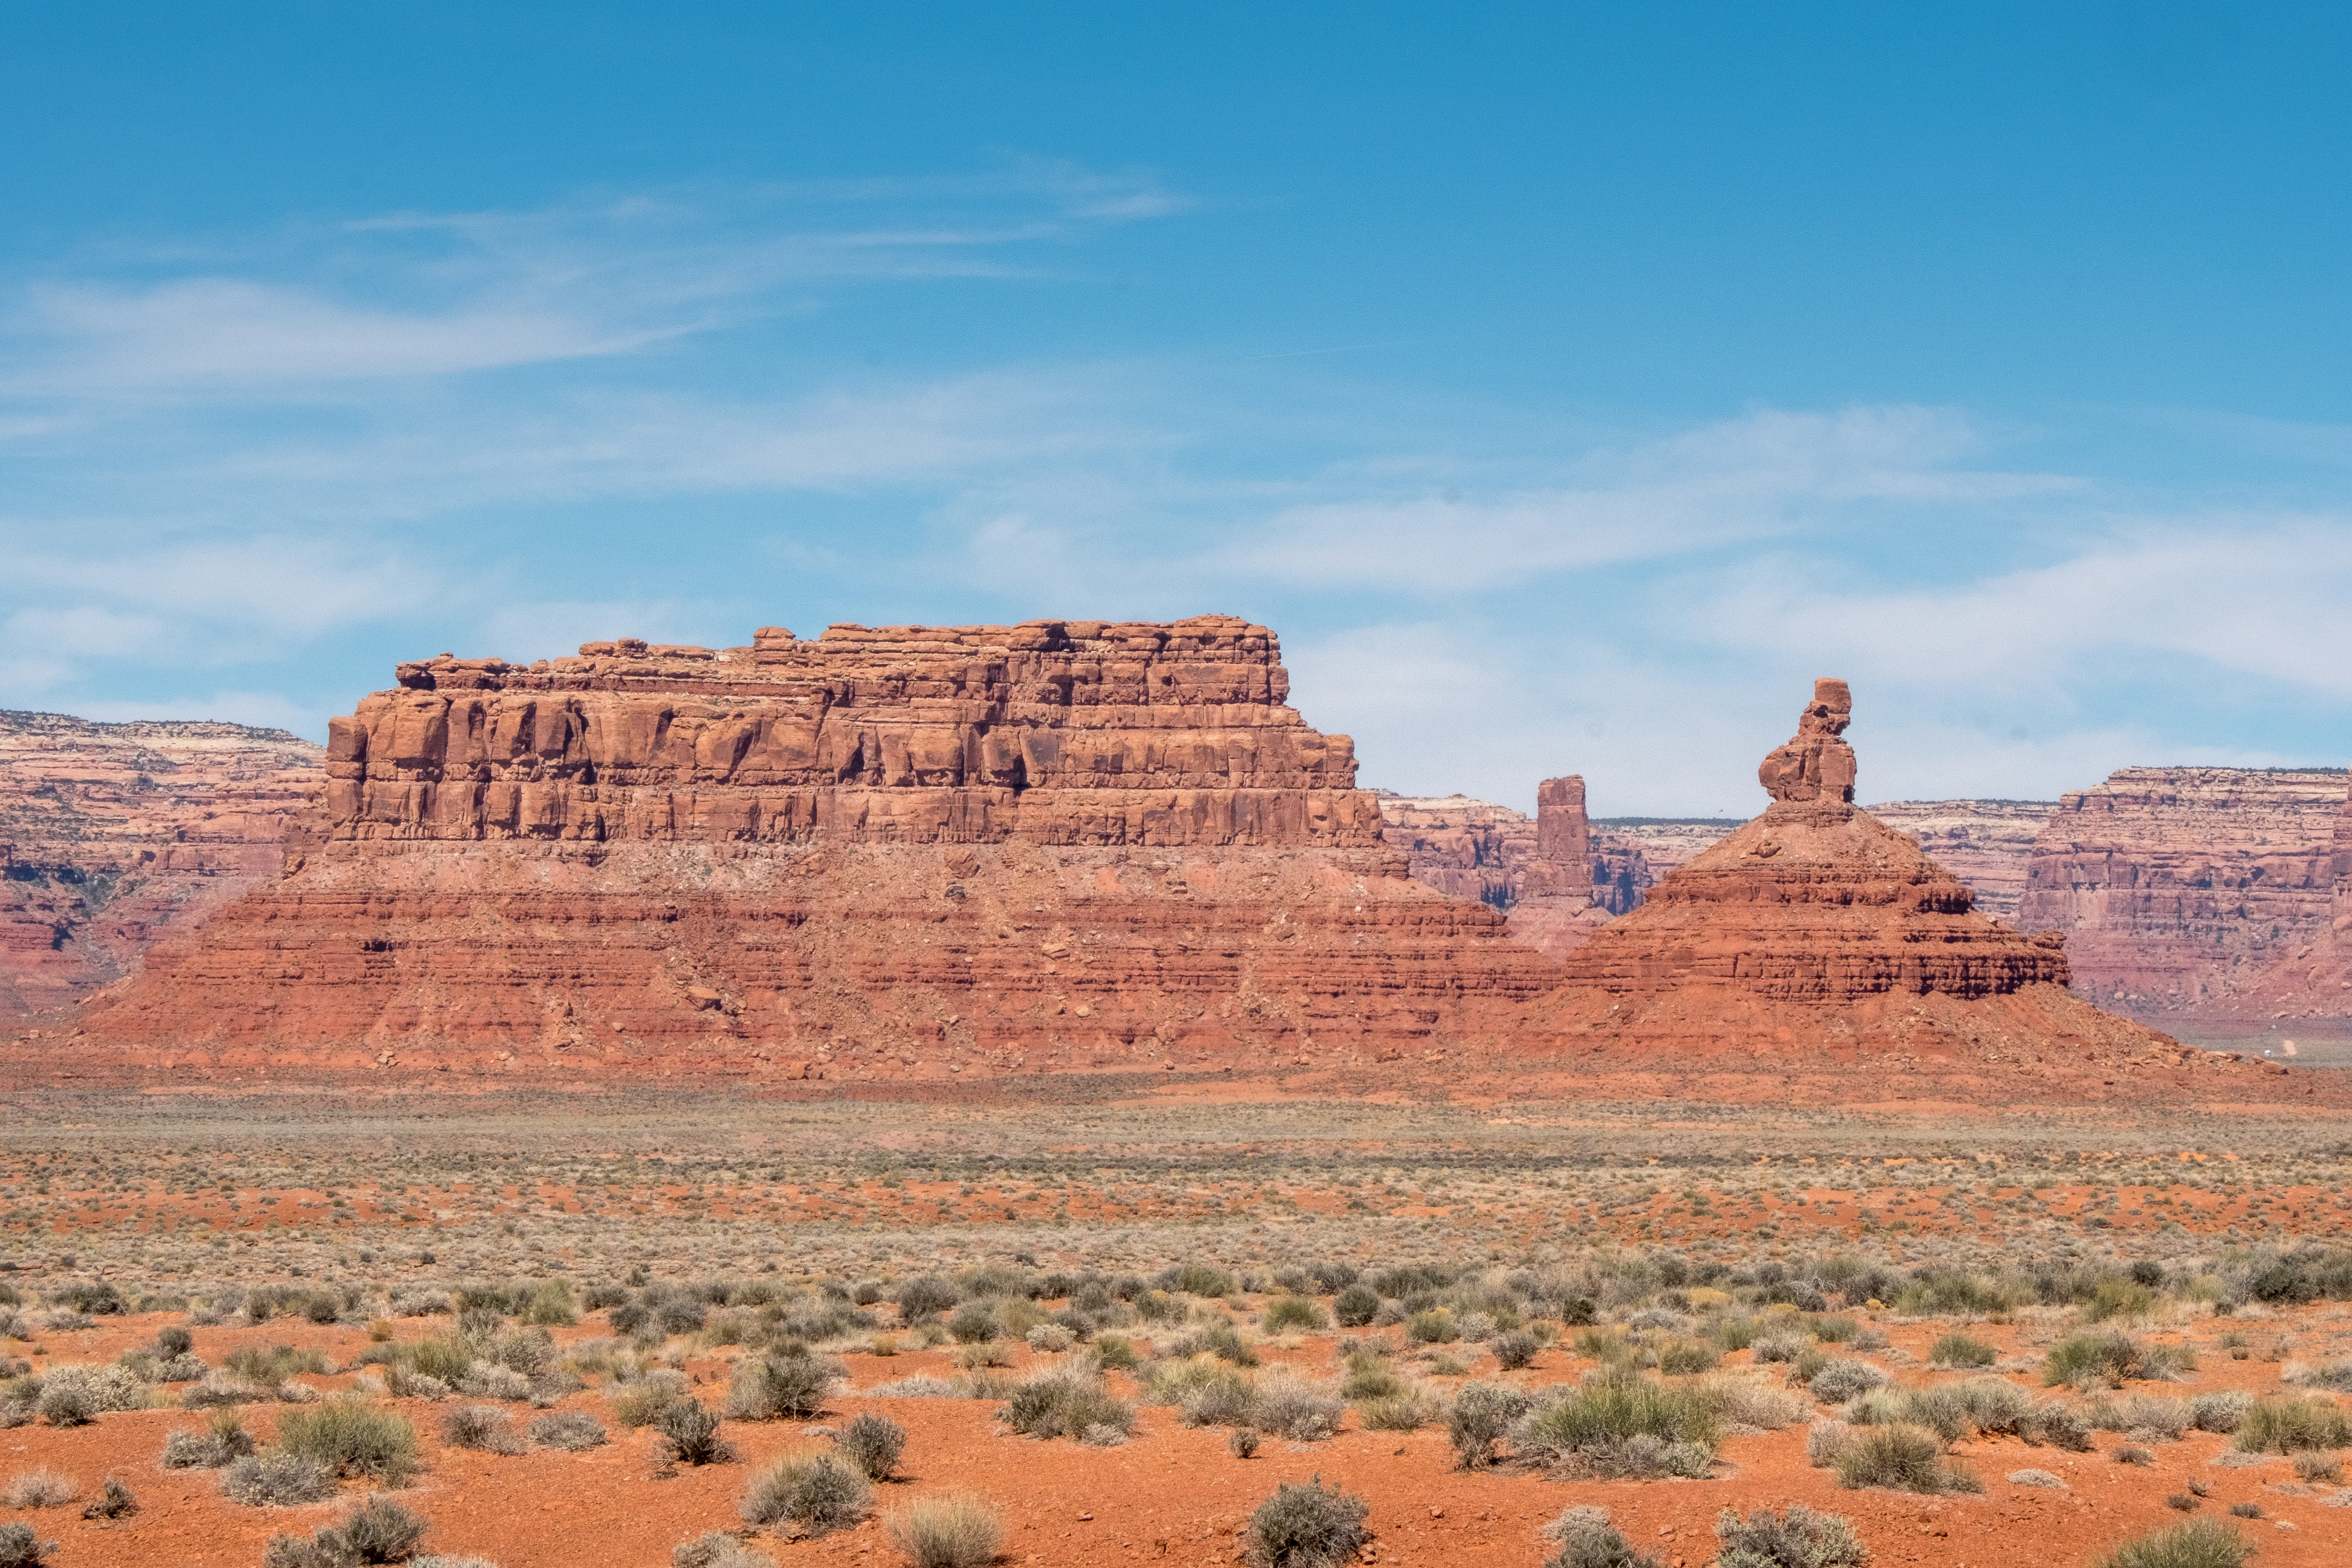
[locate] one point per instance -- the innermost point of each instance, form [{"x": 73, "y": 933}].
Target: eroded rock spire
[{"x": 1815, "y": 764}]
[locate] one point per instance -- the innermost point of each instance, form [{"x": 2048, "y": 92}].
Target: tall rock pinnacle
[{"x": 1815, "y": 764}]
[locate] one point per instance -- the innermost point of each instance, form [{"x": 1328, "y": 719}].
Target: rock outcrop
[
  {"x": 2177, "y": 888},
  {"x": 1988, "y": 844},
  {"x": 112, "y": 836},
  {"x": 1541, "y": 871},
  {"x": 2306, "y": 986},
  {"x": 913, "y": 852},
  {"x": 1816, "y": 927}
]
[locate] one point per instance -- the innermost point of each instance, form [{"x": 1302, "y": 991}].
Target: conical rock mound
[{"x": 1818, "y": 928}]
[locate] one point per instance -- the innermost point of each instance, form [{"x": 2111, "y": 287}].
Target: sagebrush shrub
[
  {"x": 483, "y": 1426},
  {"x": 690, "y": 1434},
  {"x": 815, "y": 1488},
  {"x": 1066, "y": 1403},
  {"x": 715, "y": 1549},
  {"x": 1900, "y": 1458},
  {"x": 276, "y": 1479},
  {"x": 1840, "y": 1381},
  {"x": 1958, "y": 1349},
  {"x": 1588, "y": 1540},
  {"x": 1288, "y": 1405},
  {"x": 770, "y": 1386},
  {"x": 872, "y": 1443},
  {"x": 1307, "y": 1526},
  {"x": 21, "y": 1547},
  {"x": 376, "y": 1532},
  {"x": 1801, "y": 1538},
  {"x": 113, "y": 1501},
  {"x": 1355, "y": 1306}
]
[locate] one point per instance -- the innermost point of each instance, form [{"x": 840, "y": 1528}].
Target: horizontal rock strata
[
  {"x": 113, "y": 834},
  {"x": 2177, "y": 887},
  {"x": 910, "y": 852}
]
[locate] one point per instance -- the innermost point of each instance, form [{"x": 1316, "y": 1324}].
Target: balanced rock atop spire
[
  {"x": 1816, "y": 925},
  {"x": 1816, "y": 764}
]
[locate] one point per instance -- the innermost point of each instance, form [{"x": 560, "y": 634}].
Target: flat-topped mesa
[
  {"x": 1816, "y": 926},
  {"x": 1050, "y": 733},
  {"x": 912, "y": 852}
]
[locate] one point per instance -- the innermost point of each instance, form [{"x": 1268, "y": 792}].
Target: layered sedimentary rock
[
  {"x": 1630, "y": 853},
  {"x": 2309, "y": 981},
  {"x": 2177, "y": 887},
  {"x": 113, "y": 834},
  {"x": 1541, "y": 871},
  {"x": 914, "y": 851},
  {"x": 1816, "y": 926},
  {"x": 1988, "y": 844}
]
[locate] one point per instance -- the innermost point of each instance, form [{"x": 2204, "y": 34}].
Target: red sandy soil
[{"x": 1171, "y": 1495}]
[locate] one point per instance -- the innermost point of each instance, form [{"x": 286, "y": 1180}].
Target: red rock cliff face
[
  {"x": 2307, "y": 983},
  {"x": 2177, "y": 886},
  {"x": 113, "y": 834},
  {"x": 914, "y": 852}
]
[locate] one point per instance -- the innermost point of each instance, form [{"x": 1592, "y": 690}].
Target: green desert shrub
[
  {"x": 1355, "y": 1306},
  {"x": 954, "y": 1530},
  {"x": 1901, "y": 1458},
  {"x": 1288, "y": 1313},
  {"x": 2110, "y": 1358},
  {"x": 350, "y": 1436},
  {"x": 1307, "y": 1526},
  {"x": 1588, "y": 1540},
  {"x": 1801, "y": 1538},
  {"x": 2285, "y": 1426},
  {"x": 816, "y": 1489},
  {"x": 1624, "y": 1426},
  {"x": 2202, "y": 1544},
  {"x": 1067, "y": 1403}
]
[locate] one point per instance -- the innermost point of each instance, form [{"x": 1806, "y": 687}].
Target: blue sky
[{"x": 1568, "y": 385}]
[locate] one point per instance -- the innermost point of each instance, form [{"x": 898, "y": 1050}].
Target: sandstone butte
[
  {"x": 113, "y": 834},
  {"x": 1817, "y": 933},
  {"x": 2191, "y": 896},
  {"x": 1476, "y": 850},
  {"x": 912, "y": 852}
]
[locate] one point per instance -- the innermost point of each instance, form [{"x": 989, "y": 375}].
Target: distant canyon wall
[
  {"x": 2200, "y": 895},
  {"x": 112, "y": 836}
]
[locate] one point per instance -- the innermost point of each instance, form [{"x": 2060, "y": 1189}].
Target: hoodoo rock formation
[
  {"x": 2180, "y": 889},
  {"x": 1815, "y": 927},
  {"x": 913, "y": 852},
  {"x": 112, "y": 836}
]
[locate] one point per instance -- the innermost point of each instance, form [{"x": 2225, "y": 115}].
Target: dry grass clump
[
  {"x": 953, "y": 1529},
  {"x": 2204, "y": 1544},
  {"x": 350, "y": 1436},
  {"x": 1619, "y": 1424},
  {"x": 224, "y": 1439},
  {"x": 715, "y": 1549},
  {"x": 2111, "y": 1359},
  {"x": 2285, "y": 1426},
  {"x": 40, "y": 1489},
  {"x": 690, "y": 1435},
  {"x": 570, "y": 1431}
]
